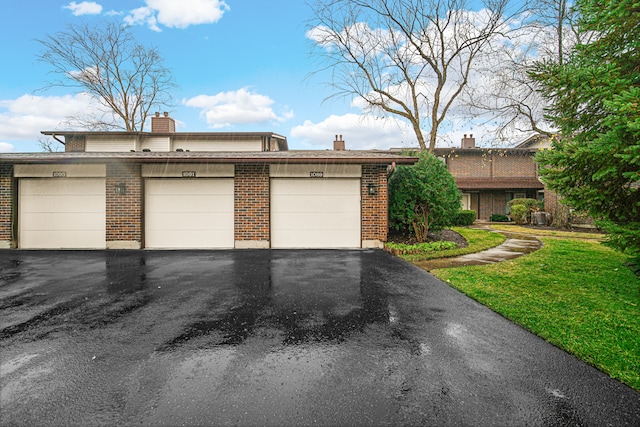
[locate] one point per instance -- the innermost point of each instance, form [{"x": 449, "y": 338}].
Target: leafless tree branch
[{"x": 106, "y": 62}]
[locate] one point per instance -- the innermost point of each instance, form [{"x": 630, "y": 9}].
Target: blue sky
[{"x": 240, "y": 65}]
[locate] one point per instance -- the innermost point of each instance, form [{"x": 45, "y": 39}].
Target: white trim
[
  {"x": 305, "y": 171},
  {"x": 61, "y": 170},
  {"x": 176, "y": 170}
]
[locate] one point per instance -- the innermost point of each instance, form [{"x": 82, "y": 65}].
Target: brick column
[
  {"x": 7, "y": 208},
  {"x": 375, "y": 208},
  {"x": 124, "y": 211},
  {"x": 251, "y": 213}
]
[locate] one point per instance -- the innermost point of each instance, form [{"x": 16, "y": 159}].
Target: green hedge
[
  {"x": 464, "y": 218},
  {"x": 499, "y": 218}
]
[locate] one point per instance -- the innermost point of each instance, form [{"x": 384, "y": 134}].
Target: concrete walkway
[{"x": 515, "y": 246}]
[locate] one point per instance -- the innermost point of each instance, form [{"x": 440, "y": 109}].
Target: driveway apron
[{"x": 268, "y": 337}]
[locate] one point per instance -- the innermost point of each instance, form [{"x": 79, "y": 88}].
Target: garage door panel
[
  {"x": 315, "y": 213},
  {"x": 69, "y": 204},
  {"x": 62, "y": 213},
  {"x": 319, "y": 204},
  {"x": 189, "y": 213},
  {"x": 319, "y": 239},
  {"x": 186, "y": 187},
  {"x": 180, "y": 205},
  {"x": 61, "y": 239},
  {"x": 75, "y": 221},
  {"x": 206, "y": 221},
  {"x": 328, "y": 222},
  {"x": 320, "y": 186},
  {"x": 196, "y": 239}
]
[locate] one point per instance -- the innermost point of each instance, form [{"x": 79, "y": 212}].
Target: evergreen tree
[
  {"x": 423, "y": 197},
  {"x": 595, "y": 96}
]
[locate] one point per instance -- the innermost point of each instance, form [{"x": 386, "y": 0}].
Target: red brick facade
[
  {"x": 124, "y": 222},
  {"x": 7, "y": 196},
  {"x": 124, "y": 211},
  {"x": 492, "y": 177},
  {"x": 251, "y": 196},
  {"x": 374, "y": 207}
]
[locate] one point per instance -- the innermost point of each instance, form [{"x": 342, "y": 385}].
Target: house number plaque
[
  {"x": 316, "y": 174},
  {"x": 188, "y": 174},
  {"x": 59, "y": 174}
]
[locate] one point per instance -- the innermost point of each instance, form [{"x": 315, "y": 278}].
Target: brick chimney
[
  {"x": 469, "y": 142},
  {"x": 338, "y": 144},
  {"x": 163, "y": 124}
]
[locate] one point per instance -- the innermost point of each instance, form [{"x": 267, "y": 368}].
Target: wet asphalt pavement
[{"x": 274, "y": 338}]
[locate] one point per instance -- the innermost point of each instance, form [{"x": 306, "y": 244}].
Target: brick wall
[
  {"x": 470, "y": 165},
  {"x": 7, "y": 196},
  {"x": 74, "y": 143},
  {"x": 124, "y": 211},
  {"x": 482, "y": 163},
  {"x": 511, "y": 166},
  {"x": 374, "y": 208},
  {"x": 251, "y": 188}
]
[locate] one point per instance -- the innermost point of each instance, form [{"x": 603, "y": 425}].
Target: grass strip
[
  {"x": 545, "y": 232},
  {"x": 479, "y": 240},
  {"x": 576, "y": 294}
]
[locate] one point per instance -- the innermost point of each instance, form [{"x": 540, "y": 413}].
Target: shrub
[
  {"x": 423, "y": 197},
  {"x": 499, "y": 218},
  {"x": 420, "y": 248},
  {"x": 523, "y": 215},
  {"x": 519, "y": 213},
  {"x": 464, "y": 218}
]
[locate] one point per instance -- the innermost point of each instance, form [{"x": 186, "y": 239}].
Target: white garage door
[
  {"x": 61, "y": 213},
  {"x": 315, "y": 213},
  {"x": 189, "y": 213}
]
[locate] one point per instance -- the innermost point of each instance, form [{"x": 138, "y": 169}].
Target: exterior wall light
[
  {"x": 372, "y": 189},
  {"x": 121, "y": 188}
]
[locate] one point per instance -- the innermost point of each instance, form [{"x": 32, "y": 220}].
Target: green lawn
[
  {"x": 545, "y": 232},
  {"x": 575, "y": 293},
  {"x": 478, "y": 240}
]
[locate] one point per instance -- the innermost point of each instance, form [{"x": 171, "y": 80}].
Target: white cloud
[
  {"x": 23, "y": 118},
  {"x": 177, "y": 14},
  {"x": 360, "y": 132},
  {"x": 84, "y": 8},
  {"x": 226, "y": 109},
  {"x": 5, "y": 147}
]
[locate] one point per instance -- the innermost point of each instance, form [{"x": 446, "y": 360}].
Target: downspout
[
  {"x": 53, "y": 135},
  {"x": 391, "y": 169}
]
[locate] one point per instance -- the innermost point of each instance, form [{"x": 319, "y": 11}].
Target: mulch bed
[{"x": 444, "y": 235}]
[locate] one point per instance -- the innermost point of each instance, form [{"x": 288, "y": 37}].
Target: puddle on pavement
[{"x": 298, "y": 300}]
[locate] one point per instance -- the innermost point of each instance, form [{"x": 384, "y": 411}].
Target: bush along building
[{"x": 174, "y": 190}]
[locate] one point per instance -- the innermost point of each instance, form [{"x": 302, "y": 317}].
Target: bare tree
[
  {"x": 48, "y": 146},
  {"x": 410, "y": 59},
  {"x": 506, "y": 94},
  {"x": 106, "y": 62}
]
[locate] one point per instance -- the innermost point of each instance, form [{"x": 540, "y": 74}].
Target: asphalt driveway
[{"x": 274, "y": 338}]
